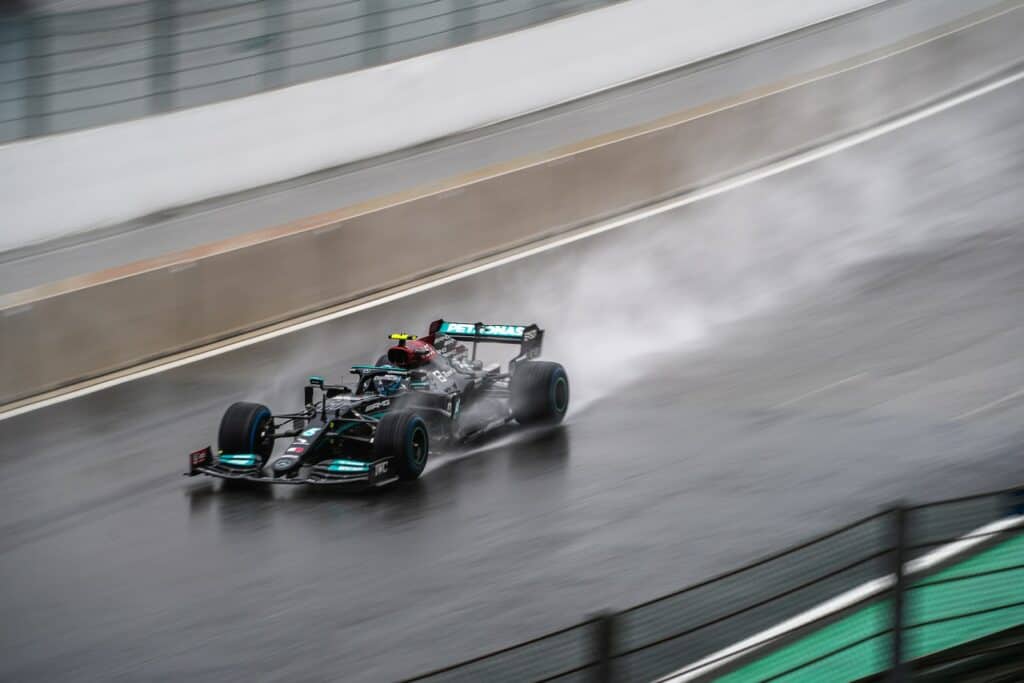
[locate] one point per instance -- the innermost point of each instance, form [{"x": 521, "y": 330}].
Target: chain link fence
[
  {"x": 899, "y": 586},
  {"x": 66, "y": 70}
]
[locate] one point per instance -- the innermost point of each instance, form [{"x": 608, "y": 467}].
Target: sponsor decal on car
[
  {"x": 284, "y": 463},
  {"x": 312, "y": 431},
  {"x": 377, "y": 406},
  {"x": 296, "y": 450},
  {"x": 199, "y": 458},
  {"x": 380, "y": 468},
  {"x": 485, "y": 330}
]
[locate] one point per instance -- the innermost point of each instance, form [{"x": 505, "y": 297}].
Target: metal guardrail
[
  {"x": 68, "y": 70},
  {"x": 890, "y": 625}
]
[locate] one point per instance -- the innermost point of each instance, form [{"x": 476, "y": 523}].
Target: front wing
[{"x": 377, "y": 472}]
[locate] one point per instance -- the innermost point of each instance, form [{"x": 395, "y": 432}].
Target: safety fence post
[
  {"x": 898, "y": 555},
  {"x": 464, "y": 22},
  {"x": 375, "y": 13},
  {"x": 161, "y": 57},
  {"x": 606, "y": 625},
  {"x": 275, "y": 33},
  {"x": 36, "y": 84},
  {"x": 1016, "y": 502},
  {"x": 541, "y": 12}
]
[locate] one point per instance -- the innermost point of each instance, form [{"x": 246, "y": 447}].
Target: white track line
[
  {"x": 842, "y": 601},
  {"x": 990, "y": 405},
  {"x": 820, "y": 390},
  {"x": 714, "y": 190}
]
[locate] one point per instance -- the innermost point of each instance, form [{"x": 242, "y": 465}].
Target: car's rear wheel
[
  {"x": 246, "y": 428},
  {"x": 402, "y": 436},
  {"x": 540, "y": 393}
]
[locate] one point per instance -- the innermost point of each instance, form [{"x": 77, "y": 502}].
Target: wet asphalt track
[{"x": 747, "y": 372}]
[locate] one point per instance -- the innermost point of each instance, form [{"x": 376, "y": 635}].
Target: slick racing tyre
[
  {"x": 540, "y": 393},
  {"x": 246, "y": 428},
  {"x": 402, "y": 435}
]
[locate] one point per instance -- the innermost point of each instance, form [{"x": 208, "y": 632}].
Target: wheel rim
[
  {"x": 560, "y": 393},
  {"x": 263, "y": 441},
  {"x": 418, "y": 446}
]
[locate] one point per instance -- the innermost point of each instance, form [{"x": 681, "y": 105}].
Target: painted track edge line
[{"x": 713, "y": 190}]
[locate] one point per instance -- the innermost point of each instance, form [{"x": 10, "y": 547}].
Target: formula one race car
[{"x": 422, "y": 393}]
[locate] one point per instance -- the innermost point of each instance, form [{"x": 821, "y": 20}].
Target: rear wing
[{"x": 529, "y": 337}]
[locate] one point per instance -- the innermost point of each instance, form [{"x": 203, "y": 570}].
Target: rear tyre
[
  {"x": 246, "y": 428},
  {"x": 540, "y": 393},
  {"x": 402, "y": 436}
]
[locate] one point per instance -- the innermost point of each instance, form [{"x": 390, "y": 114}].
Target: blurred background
[
  {"x": 777, "y": 247},
  {"x": 80, "y": 64}
]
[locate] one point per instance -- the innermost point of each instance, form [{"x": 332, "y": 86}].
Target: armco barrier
[
  {"x": 905, "y": 585},
  {"x": 73, "y": 69},
  {"x": 84, "y": 327}
]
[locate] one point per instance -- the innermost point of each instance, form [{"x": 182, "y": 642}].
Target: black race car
[{"x": 423, "y": 394}]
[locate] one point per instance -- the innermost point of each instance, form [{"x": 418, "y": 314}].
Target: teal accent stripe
[
  {"x": 238, "y": 459},
  {"x": 389, "y": 369},
  {"x": 348, "y": 466},
  {"x": 350, "y": 425}
]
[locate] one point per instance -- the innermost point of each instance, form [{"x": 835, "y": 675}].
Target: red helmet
[{"x": 411, "y": 354}]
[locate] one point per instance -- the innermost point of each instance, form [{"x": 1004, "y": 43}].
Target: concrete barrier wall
[
  {"x": 93, "y": 178},
  {"x": 92, "y": 325}
]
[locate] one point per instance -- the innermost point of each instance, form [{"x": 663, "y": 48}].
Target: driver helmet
[{"x": 388, "y": 384}]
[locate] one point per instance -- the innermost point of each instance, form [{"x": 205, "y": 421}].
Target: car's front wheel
[
  {"x": 246, "y": 429},
  {"x": 402, "y": 436}
]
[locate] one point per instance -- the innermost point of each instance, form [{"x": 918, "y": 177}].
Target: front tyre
[
  {"x": 402, "y": 436},
  {"x": 246, "y": 428},
  {"x": 540, "y": 393}
]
